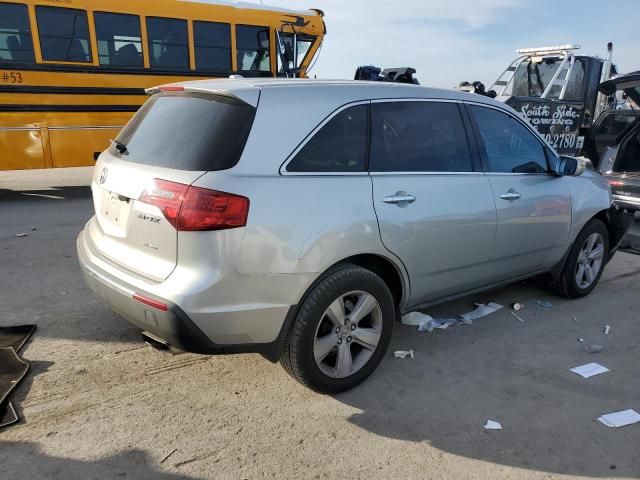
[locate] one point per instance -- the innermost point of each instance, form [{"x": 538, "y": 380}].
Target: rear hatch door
[{"x": 139, "y": 182}]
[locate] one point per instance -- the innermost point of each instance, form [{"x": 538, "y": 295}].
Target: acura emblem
[{"x": 103, "y": 175}]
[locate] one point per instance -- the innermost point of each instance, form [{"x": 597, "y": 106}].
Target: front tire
[
  {"x": 586, "y": 261},
  {"x": 341, "y": 331}
]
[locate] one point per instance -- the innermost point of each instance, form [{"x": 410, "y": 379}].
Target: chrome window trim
[
  {"x": 283, "y": 168},
  {"x": 386, "y": 174}
]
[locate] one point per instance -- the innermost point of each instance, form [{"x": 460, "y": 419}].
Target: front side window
[
  {"x": 252, "y": 44},
  {"x": 418, "y": 137},
  {"x": 212, "y": 42},
  {"x": 64, "y": 34},
  {"x": 15, "y": 34},
  {"x": 339, "y": 146},
  {"x": 168, "y": 43},
  {"x": 119, "y": 39},
  {"x": 510, "y": 147}
]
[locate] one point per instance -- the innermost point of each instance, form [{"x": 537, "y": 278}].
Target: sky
[{"x": 448, "y": 41}]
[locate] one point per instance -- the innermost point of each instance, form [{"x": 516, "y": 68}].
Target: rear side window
[
  {"x": 339, "y": 146},
  {"x": 510, "y": 147},
  {"x": 168, "y": 43},
  {"x": 212, "y": 42},
  {"x": 15, "y": 34},
  {"x": 418, "y": 137},
  {"x": 64, "y": 34},
  {"x": 188, "y": 132},
  {"x": 119, "y": 39},
  {"x": 252, "y": 44}
]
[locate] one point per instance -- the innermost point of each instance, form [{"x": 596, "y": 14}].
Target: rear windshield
[{"x": 187, "y": 132}]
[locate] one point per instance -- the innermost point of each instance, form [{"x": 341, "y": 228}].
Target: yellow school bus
[{"x": 72, "y": 72}]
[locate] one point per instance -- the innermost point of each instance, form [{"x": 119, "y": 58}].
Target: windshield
[
  {"x": 532, "y": 78},
  {"x": 187, "y": 132}
]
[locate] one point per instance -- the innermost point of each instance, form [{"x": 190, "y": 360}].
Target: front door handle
[
  {"x": 510, "y": 195},
  {"x": 402, "y": 199}
]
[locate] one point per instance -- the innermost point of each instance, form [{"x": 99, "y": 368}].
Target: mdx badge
[
  {"x": 149, "y": 218},
  {"x": 103, "y": 175}
]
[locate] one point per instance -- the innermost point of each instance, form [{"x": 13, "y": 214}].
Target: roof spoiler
[{"x": 242, "y": 95}]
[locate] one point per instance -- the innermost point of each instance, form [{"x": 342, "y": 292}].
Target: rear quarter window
[{"x": 188, "y": 132}]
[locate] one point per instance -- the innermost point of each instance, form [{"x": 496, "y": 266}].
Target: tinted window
[
  {"x": 509, "y": 145},
  {"x": 64, "y": 34},
  {"x": 15, "y": 34},
  {"x": 418, "y": 137},
  {"x": 119, "y": 39},
  {"x": 339, "y": 146},
  {"x": 213, "y": 46},
  {"x": 531, "y": 79},
  {"x": 252, "y": 44},
  {"x": 188, "y": 132},
  {"x": 168, "y": 43}
]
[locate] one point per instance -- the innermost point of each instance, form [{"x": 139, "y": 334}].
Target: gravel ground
[{"x": 98, "y": 403}]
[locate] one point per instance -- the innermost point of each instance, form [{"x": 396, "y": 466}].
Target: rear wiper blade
[{"x": 121, "y": 147}]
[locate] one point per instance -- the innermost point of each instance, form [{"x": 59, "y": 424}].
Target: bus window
[
  {"x": 212, "y": 42},
  {"x": 168, "y": 43},
  {"x": 64, "y": 34},
  {"x": 252, "y": 44},
  {"x": 119, "y": 39},
  {"x": 15, "y": 34}
]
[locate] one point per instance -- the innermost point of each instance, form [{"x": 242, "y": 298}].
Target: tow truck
[{"x": 556, "y": 90}]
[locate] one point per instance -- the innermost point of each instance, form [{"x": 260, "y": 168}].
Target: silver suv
[{"x": 299, "y": 219}]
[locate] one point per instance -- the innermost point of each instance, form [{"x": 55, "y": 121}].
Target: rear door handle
[
  {"x": 400, "y": 198},
  {"x": 510, "y": 195}
]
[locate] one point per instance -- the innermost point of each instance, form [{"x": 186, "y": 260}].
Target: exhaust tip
[{"x": 155, "y": 342}]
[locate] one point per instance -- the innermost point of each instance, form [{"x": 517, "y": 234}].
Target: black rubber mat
[
  {"x": 15, "y": 336},
  {"x": 12, "y": 367}
]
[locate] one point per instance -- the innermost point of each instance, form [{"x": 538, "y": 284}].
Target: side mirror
[{"x": 571, "y": 166}]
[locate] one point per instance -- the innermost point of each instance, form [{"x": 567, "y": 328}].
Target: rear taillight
[
  {"x": 616, "y": 183},
  {"x": 196, "y": 209}
]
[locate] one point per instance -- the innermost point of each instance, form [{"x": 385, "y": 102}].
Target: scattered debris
[
  {"x": 581, "y": 340},
  {"x": 590, "y": 370},
  {"x": 607, "y": 329},
  {"x": 517, "y": 316},
  {"x": 63, "y": 293},
  {"x": 517, "y": 307},
  {"x": 167, "y": 457},
  {"x": 433, "y": 324},
  {"x": 415, "y": 319},
  {"x": 575, "y": 319},
  {"x": 492, "y": 425},
  {"x": 545, "y": 304},
  {"x": 593, "y": 348},
  {"x": 33, "y": 229},
  {"x": 481, "y": 310},
  {"x": 20, "y": 235},
  {"x": 404, "y": 354},
  {"x": 620, "y": 419}
]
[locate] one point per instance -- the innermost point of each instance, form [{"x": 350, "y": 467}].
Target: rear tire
[
  {"x": 341, "y": 331},
  {"x": 586, "y": 261}
]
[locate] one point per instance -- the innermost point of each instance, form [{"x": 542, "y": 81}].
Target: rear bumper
[
  {"x": 173, "y": 326},
  {"x": 624, "y": 201}
]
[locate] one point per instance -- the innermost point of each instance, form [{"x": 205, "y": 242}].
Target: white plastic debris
[
  {"x": 517, "y": 306},
  {"x": 581, "y": 340},
  {"x": 607, "y": 329},
  {"x": 620, "y": 419},
  {"x": 480, "y": 311},
  {"x": 493, "y": 425},
  {"x": 415, "y": 319},
  {"x": 404, "y": 354},
  {"x": 20, "y": 235},
  {"x": 434, "y": 324},
  {"x": 590, "y": 370}
]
